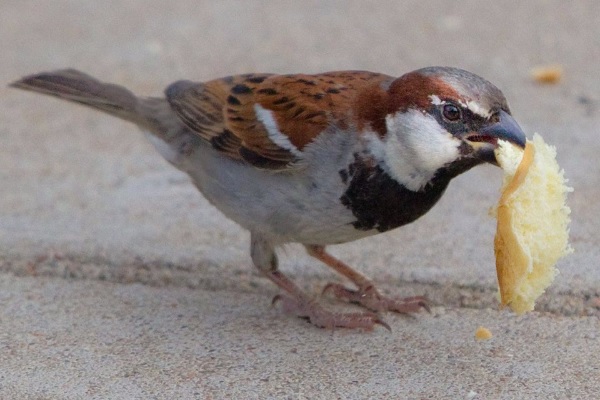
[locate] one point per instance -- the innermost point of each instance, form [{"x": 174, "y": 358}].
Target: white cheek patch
[
  {"x": 275, "y": 135},
  {"x": 416, "y": 147}
]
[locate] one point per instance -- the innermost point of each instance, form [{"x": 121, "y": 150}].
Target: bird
[{"x": 315, "y": 159}]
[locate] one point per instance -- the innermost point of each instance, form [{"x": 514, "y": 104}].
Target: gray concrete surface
[{"x": 117, "y": 280}]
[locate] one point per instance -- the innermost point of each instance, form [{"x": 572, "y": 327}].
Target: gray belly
[{"x": 301, "y": 205}]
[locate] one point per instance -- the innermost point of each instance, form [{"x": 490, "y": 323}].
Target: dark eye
[
  {"x": 451, "y": 112},
  {"x": 495, "y": 118}
]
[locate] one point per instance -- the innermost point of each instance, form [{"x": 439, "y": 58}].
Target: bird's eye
[
  {"x": 451, "y": 112},
  {"x": 495, "y": 118}
]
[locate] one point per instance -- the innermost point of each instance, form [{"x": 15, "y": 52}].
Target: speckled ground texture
[{"x": 118, "y": 280}]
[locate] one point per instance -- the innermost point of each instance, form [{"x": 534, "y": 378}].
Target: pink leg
[
  {"x": 295, "y": 301},
  {"x": 366, "y": 295}
]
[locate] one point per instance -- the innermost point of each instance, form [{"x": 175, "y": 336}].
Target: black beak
[{"x": 506, "y": 129}]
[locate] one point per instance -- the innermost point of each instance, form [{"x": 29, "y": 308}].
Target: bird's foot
[
  {"x": 319, "y": 316},
  {"x": 369, "y": 297}
]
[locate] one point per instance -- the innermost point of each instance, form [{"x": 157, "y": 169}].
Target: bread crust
[{"x": 511, "y": 259}]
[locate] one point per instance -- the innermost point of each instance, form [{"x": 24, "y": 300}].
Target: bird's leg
[
  {"x": 296, "y": 302},
  {"x": 366, "y": 294}
]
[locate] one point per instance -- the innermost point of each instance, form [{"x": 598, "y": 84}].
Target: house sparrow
[{"x": 314, "y": 159}]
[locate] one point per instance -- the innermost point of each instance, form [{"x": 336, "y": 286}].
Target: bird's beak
[
  {"x": 506, "y": 129},
  {"x": 486, "y": 139}
]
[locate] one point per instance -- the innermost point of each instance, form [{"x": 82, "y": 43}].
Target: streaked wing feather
[{"x": 265, "y": 119}]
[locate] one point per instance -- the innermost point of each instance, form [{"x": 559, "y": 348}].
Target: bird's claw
[
  {"x": 370, "y": 298},
  {"x": 318, "y": 316}
]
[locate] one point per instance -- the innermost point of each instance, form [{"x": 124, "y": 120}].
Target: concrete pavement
[{"x": 117, "y": 280}]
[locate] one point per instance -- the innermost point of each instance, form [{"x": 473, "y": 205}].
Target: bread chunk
[{"x": 533, "y": 218}]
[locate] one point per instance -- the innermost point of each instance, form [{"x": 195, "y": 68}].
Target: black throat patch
[{"x": 379, "y": 202}]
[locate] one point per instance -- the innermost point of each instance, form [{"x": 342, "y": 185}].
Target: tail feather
[{"x": 75, "y": 86}]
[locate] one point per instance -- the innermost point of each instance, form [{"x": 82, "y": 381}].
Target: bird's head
[{"x": 442, "y": 118}]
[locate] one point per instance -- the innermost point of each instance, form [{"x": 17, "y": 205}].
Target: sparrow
[{"x": 314, "y": 159}]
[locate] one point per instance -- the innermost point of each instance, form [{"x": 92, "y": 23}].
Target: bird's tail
[{"x": 75, "y": 86}]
